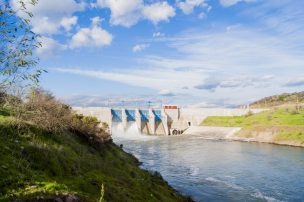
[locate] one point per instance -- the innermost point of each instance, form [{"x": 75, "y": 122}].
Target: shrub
[
  {"x": 45, "y": 111},
  {"x": 90, "y": 128}
]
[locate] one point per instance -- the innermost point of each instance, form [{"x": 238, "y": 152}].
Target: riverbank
[
  {"x": 36, "y": 165},
  {"x": 283, "y": 126}
]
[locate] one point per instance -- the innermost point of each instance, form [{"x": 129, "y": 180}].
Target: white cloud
[
  {"x": 288, "y": 19},
  {"x": 158, "y": 34},
  {"x": 214, "y": 82},
  {"x": 160, "y": 11},
  {"x": 202, "y": 15},
  {"x": 113, "y": 100},
  {"x": 44, "y": 25},
  {"x": 230, "y": 67},
  {"x": 166, "y": 93},
  {"x": 233, "y": 27},
  {"x": 128, "y": 13},
  {"x": 48, "y": 15},
  {"x": 228, "y": 3},
  {"x": 295, "y": 82},
  {"x": 93, "y": 36},
  {"x": 68, "y": 22},
  {"x": 225, "y": 61},
  {"x": 188, "y": 5},
  {"x": 140, "y": 47},
  {"x": 150, "y": 78},
  {"x": 96, "y": 21},
  {"x": 49, "y": 46}
]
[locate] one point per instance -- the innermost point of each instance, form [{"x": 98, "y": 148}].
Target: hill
[
  {"x": 277, "y": 100},
  {"x": 278, "y": 125},
  {"x": 38, "y": 165},
  {"x": 282, "y": 123}
]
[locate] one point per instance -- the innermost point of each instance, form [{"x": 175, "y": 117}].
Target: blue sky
[{"x": 187, "y": 52}]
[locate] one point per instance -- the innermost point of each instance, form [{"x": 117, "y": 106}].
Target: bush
[
  {"x": 45, "y": 111},
  {"x": 90, "y": 128},
  {"x": 42, "y": 109}
]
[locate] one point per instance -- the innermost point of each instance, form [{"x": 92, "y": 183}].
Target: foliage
[
  {"x": 42, "y": 109},
  {"x": 17, "y": 62},
  {"x": 45, "y": 111},
  {"x": 38, "y": 165}
]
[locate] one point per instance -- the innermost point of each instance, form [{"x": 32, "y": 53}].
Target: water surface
[{"x": 213, "y": 170}]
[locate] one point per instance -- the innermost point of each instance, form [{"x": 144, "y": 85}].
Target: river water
[{"x": 214, "y": 170}]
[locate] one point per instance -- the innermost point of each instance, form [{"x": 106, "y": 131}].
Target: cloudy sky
[{"x": 187, "y": 52}]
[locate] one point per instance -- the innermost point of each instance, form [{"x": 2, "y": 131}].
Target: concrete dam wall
[{"x": 164, "y": 121}]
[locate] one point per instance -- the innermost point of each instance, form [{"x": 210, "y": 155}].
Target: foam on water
[
  {"x": 129, "y": 133},
  {"x": 224, "y": 182},
  {"x": 259, "y": 195},
  {"x": 256, "y": 193}
]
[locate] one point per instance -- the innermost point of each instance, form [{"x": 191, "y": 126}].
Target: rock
[
  {"x": 58, "y": 200},
  {"x": 71, "y": 198}
]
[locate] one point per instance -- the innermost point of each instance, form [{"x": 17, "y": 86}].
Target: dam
[{"x": 167, "y": 120}]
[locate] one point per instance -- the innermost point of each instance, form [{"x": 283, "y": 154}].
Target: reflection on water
[{"x": 221, "y": 170}]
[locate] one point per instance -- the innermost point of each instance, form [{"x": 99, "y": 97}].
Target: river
[{"x": 214, "y": 170}]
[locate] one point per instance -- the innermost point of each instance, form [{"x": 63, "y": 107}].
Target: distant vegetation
[
  {"x": 277, "y": 100},
  {"x": 273, "y": 117},
  {"x": 281, "y": 125}
]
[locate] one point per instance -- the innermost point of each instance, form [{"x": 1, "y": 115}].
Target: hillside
[
  {"x": 36, "y": 165},
  {"x": 284, "y": 125},
  {"x": 277, "y": 100}
]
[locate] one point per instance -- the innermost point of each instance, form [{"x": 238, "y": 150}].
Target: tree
[{"x": 17, "y": 62}]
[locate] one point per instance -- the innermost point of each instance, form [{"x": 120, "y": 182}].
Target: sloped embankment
[
  {"x": 39, "y": 166},
  {"x": 283, "y": 126}
]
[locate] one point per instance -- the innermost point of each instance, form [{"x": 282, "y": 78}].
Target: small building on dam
[{"x": 168, "y": 120}]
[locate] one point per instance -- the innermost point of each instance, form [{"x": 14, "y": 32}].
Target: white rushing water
[{"x": 131, "y": 132}]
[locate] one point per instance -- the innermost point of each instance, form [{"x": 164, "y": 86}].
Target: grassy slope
[
  {"x": 286, "y": 123},
  {"x": 277, "y": 100},
  {"x": 35, "y": 164}
]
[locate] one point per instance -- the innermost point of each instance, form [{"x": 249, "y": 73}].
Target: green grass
[
  {"x": 273, "y": 117},
  {"x": 286, "y": 123},
  {"x": 291, "y": 136},
  {"x": 36, "y": 164}
]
